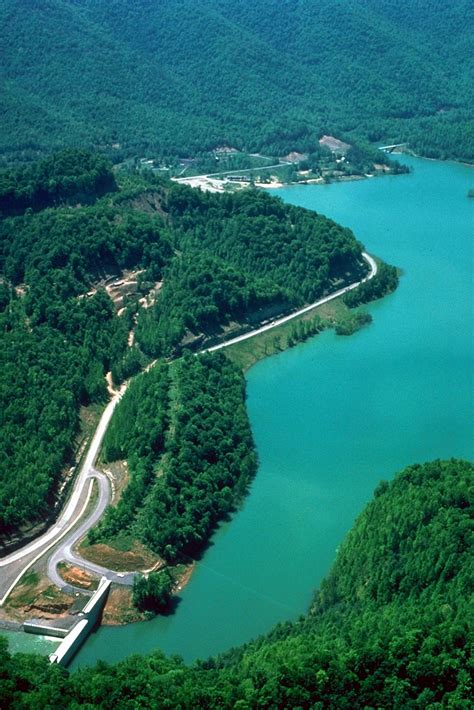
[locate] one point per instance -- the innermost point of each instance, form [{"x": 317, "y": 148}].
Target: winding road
[
  {"x": 14, "y": 565},
  {"x": 68, "y": 529},
  {"x": 275, "y": 323}
]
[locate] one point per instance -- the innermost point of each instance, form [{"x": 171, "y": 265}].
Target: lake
[{"x": 334, "y": 416}]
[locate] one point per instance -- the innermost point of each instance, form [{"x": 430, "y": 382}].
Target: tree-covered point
[
  {"x": 185, "y": 432},
  {"x": 390, "y": 627},
  {"x": 210, "y": 260},
  {"x": 239, "y": 253},
  {"x": 385, "y": 281},
  {"x": 115, "y": 76},
  {"x": 153, "y": 592}
]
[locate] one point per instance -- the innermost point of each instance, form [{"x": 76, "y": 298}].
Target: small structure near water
[
  {"x": 88, "y": 619},
  {"x": 37, "y": 626}
]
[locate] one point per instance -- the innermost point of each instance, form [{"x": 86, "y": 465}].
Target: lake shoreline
[{"x": 182, "y": 635}]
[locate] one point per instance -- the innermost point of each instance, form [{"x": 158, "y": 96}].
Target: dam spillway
[{"x": 88, "y": 619}]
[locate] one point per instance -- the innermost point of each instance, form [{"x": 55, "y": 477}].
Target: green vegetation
[
  {"x": 226, "y": 262},
  {"x": 321, "y": 163},
  {"x": 385, "y": 281},
  {"x": 244, "y": 255},
  {"x": 301, "y": 330},
  {"x": 354, "y": 322},
  {"x": 115, "y": 76},
  {"x": 153, "y": 592},
  {"x": 185, "y": 431},
  {"x": 247, "y": 352},
  {"x": 57, "y": 343},
  {"x": 388, "y": 628},
  {"x": 334, "y": 314},
  {"x": 68, "y": 177}
]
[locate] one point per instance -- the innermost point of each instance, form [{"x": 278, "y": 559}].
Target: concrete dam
[{"x": 86, "y": 623}]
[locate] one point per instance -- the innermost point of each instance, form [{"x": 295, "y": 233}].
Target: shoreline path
[{"x": 68, "y": 529}]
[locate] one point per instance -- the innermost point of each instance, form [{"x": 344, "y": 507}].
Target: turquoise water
[
  {"x": 20, "y": 642},
  {"x": 334, "y": 416}
]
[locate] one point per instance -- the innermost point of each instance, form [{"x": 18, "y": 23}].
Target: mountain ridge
[{"x": 175, "y": 78}]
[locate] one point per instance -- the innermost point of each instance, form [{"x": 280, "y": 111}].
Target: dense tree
[
  {"x": 241, "y": 253},
  {"x": 69, "y": 177},
  {"x": 185, "y": 432},
  {"x": 58, "y": 337},
  {"x": 152, "y": 592},
  {"x": 218, "y": 259},
  {"x": 115, "y": 75},
  {"x": 389, "y": 628},
  {"x": 385, "y": 281}
]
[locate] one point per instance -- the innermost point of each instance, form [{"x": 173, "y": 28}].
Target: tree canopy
[
  {"x": 388, "y": 628},
  {"x": 114, "y": 75},
  {"x": 69, "y": 228}
]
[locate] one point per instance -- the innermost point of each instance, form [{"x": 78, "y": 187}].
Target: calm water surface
[{"x": 334, "y": 416}]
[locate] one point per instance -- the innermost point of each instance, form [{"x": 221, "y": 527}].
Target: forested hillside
[
  {"x": 240, "y": 253},
  {"x": 175, "y": 78},
  {"x": 185, "y": 432},
  {"x": 69, "y": 231},
  {"x": 389, "y": 628}
]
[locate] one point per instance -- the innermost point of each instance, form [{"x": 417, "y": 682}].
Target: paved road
[
  {"x": 232, "y": 172},
  {"x": 13, "y": 566},
  {"x": 285, "y": 319},
  {"x": 65, "y": 551}
]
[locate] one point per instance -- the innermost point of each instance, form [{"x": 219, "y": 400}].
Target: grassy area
[
  {"x": 122, "y": 554},
  {"x": 25, "y": 591},
  {"x": 92, "y": 502},
  {"x": 89, "y": 418},
  {"x": 248, "y": 352}
]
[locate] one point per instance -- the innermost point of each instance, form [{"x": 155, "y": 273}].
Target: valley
[{"x": 236, "y": 382}]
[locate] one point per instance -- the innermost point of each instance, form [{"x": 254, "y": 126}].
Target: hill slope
[
  {"x": 389, "y": 628},
  {"x": 178, "y": 77},
  {"x": 71, "y": 232}
]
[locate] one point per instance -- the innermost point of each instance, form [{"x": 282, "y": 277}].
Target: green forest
[
  {"x": 184, "y": 431},
  {"x": 114, "y": 76},
  {"x": 389, "y": 627},
  {"x": 69, "y": 226},
  {"x": 112, "y": 273}
]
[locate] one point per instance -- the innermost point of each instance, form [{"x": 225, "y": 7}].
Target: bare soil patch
[
  {"x": 136, "y": 558},
  {"x": 333, "y": 143},
  {"x": 36, "y": 596},
  {"x": 119, "y": 608},
  {"x": 183, "y": 577},
  {"x": 77, "y": 577}
]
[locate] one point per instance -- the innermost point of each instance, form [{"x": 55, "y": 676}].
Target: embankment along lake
[{"x": 334, "y": 416}]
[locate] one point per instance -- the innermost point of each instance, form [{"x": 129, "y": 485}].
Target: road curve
[
  {"x": 13, "y": 566},
  {"x": 65, "y": 551},
  {"x": 274, "y": 324}
]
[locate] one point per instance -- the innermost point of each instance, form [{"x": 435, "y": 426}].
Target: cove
[{"x": 334, "y": 416}]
